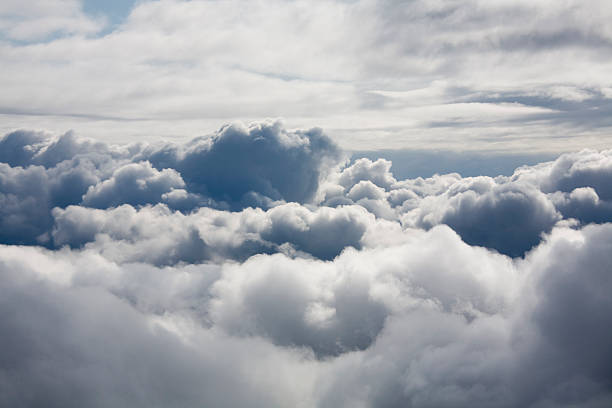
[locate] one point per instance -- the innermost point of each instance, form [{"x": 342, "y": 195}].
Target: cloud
[
  {"x": 264, "y": 159},
  {"x": 134, "y": 183},
  {"x": 586, "y": 168},
  {"x": 38, "y": 20},
  {"x": 469, "y": 329},
  {"x": 256, "y": 262},
  {"x": 379, "y": 75},
  {"x": 161, "y": 236},
  {"x": 73, "y": 345},
  {"x": 24, "y": 196},
  {"x": 154, "y": 235},
  {"x": 235, "y": 168},
  {"x": 257, "y": 265},
  {"x": 343, "y": 306},
  {"x": 508, "y": 217},
  {"x": 570, "y": 275},
  {"x": 265, "y": 165}
]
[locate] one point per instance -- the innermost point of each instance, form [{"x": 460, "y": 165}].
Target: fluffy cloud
[
  {"x": 256, "y": 267},
  {"x": 73, "y": 344},
  {"x": 265, "y": 165},
  {"x": 134, "y": 183},
  {"x": 507, "y": 217},
  {"x": 392, "y": 326},
  {"x": 248, "y": 166},
  {"x": 234, "y": 168},
  {"x": 161, "y": 236}
]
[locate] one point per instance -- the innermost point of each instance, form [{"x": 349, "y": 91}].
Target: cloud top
[{"x": 256, "y": 266}]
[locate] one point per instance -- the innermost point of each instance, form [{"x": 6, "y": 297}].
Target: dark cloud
[
  {"x": 570, "y": 354},
  {"x": 324, "y": 233},
  {"x": 163, "y": 237},
  {"x": 135, "y": 184},
  {"x": 584, "y": 169},
  {"x": 583, "y": 204},
  {"x": 24, "y": 148},
  {"x": 264, "y": 159},
  {"x": 18, "y": 148},
  {"x": 508, "y": 218},
  {"x": 235, "y": 168},
  {"x": 24, "y": 195}
]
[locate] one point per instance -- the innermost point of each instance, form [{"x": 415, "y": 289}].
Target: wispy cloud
[{"x": 332, "y": 64}]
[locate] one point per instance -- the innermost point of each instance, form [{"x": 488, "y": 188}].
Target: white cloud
[
  {"x": 39, "y": 19},
  {"x": 394, "y": 325},
  {"x": 376, "y": 74}
]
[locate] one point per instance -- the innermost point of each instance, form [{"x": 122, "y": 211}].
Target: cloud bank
[
  {"x": 387, "y": 74},
  {"x": 258, "y": 266}
]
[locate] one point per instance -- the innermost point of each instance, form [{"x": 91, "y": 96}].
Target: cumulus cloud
[
  {"x": 162, "y": 236},
  {"x": 134, "y": 183},
  {"x": 265, "y": 165},
  {"x": 256, "y": 267},
  {"x": 507, "y": 217},
  {"x": 381, "y": 327},
  {"x": 245, "y": 166},
  {"x": 235, "y": 168}
]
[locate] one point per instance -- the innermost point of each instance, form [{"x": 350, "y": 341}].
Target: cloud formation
[
  {"x": 378, "y": 74},
  {"x": 259, "y": 267}
]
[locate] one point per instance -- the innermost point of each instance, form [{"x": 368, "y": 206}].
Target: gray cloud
[
  {"x": 509, "y": 218},
  {"x": 235, "y": 168},
  {"x": 70, "y": 345},
  {"x": 161, "y": 236},
  {"x": 264, "y": 159},
  {"x": 473, "y": 330},
  {"x": 340, "y": 285},
  {"x": 257, "y": 265},
  {"x": 135, "y": 184}
]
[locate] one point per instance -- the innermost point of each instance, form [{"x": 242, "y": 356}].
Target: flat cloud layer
[
  {"x": 259, "y": 267},
  {"x": 379, "y": 74}
]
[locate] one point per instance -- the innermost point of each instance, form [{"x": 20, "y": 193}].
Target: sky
[
  {"x": 370, "y": 204},
  {"x": 469, "y": 75}
]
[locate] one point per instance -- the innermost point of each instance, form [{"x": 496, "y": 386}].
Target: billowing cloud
[
  {"x": 234, "y": 168},
  {"x": 256, "y": 267},
  {"x": 506, "y": 217},
  {"x": 269, "y": 263},
  {"x": 248, "y": 166},
  {"x": 134, "y": 183},
  {"x": 391, "y": 326}
]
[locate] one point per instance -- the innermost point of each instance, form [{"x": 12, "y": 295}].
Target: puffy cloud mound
[
  {"x": 161, "y": 236},
  {"x": 250, "y": 166},
  {"x": 507, "y": 217},
  {"x": 254, "y": 268},
  {"x": 392, "y": 326},
  {"x": 236, "y": 167},
  {"x": 135, "y": 184}
]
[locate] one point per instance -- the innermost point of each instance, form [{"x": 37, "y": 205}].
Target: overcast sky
[{"x": 515, "y": 76}]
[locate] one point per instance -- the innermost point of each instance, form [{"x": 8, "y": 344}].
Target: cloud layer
[
  {"x": 258, "y": 266},
  {"x": 378, "y": 74}
]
